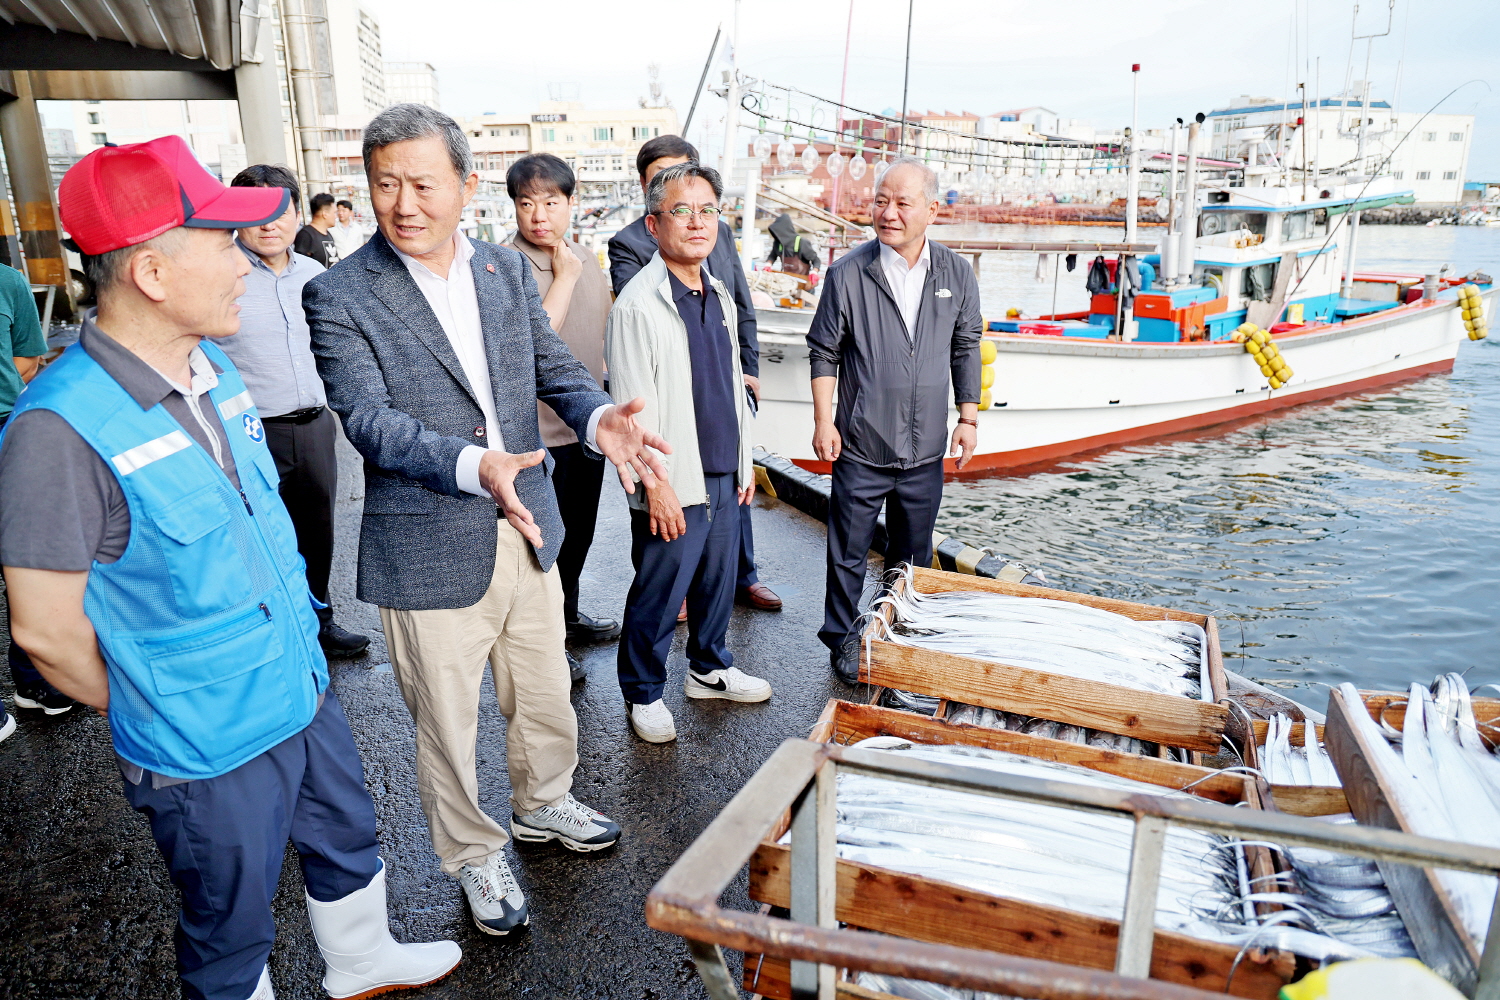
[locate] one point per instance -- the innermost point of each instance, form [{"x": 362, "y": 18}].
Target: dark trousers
[
  {"x": 911, "y": 498},
  {"x": 21, "y": 669},
  {"x": 700, "y": 565},
  {"x": 224, "y": 838},
  {"x": 309, "y": 469},
  {"x": 576, "y": 479},
  {"x": 748, "y": 576}
]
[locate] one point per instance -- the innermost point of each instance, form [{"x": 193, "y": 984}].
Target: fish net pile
[
  {"x": 1059, "y": 857},
  {"x": 1057, "y": 637},
  {"x": 1445, "y": 779}
]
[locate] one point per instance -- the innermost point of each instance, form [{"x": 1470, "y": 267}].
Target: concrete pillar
[
  {"x": 31, "y": 182},
  {"x": 259, "y": 95}
]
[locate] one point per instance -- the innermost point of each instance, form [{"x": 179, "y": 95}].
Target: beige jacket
[
  {"x": 646, "y": 351},
  {"x": 582, "y": 331}
]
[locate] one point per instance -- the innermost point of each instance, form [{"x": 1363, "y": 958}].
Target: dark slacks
[
  {"x": 748, "y": 576},
  {"x": 309, "y": 469},
  {"x": 224, "y": 838},
  {"x": 911, "y": 498},
  {"x": 576, "y": 479},
  {"x": 700, "y": 565}
]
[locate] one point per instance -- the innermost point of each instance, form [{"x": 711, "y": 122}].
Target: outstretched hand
[
  {"x": 497, "y": 474},
  {"x": 627, "y": 444}
]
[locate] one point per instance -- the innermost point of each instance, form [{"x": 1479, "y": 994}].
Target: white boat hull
[{"x": 1063, "y": 396}]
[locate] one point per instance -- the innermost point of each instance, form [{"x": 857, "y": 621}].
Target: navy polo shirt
[{"x": 710, "y": 349}]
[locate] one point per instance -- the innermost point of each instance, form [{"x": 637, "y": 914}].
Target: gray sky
[{"x": 1072, "y": 56}]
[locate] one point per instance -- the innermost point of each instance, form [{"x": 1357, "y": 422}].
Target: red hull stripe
[{"x": 1063, "y": 449}]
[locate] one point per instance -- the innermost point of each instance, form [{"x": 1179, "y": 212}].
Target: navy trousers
[
  {"x": 700, "y": 565},
  {"x": 911, "y": 498},
  {"x": 749, "y": 576},
  {"x": 576, "y": 479},
  {"x": 224, "y": 838}
]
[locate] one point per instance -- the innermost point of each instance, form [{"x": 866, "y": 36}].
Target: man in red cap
[{"x": 153, "y": 574}]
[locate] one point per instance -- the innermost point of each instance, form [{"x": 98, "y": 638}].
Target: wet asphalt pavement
[{"x": 87, "y": 909}]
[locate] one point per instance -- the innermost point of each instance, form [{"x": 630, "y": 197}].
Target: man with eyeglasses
[{"x": 671, "y": 341}]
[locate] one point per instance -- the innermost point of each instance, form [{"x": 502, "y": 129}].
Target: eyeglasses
[{"x": 682, "y": 213}]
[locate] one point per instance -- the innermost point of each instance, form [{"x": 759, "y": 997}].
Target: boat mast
[
  {"x": 732, "y": 95},
  {"x": 1189, "y": 206},
  {"x": 1169, "y": 244},
  {"x": 905, "y": 78},
  {"x": 1133, "y": 164}
]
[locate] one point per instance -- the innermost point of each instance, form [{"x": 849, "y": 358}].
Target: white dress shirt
[
  {"x": 455, "y": 303},
  {"x": 906, "y": 281}
]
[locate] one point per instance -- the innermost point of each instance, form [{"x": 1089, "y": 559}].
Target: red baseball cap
[{"x": 119, "y": 196}]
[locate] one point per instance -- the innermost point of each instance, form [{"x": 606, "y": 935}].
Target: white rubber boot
[
  {"x": 362, "y": 957},
  {"x": 263, "y": 989}
]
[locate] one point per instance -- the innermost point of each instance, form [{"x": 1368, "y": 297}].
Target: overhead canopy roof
[{"x": 192, "y": 29}]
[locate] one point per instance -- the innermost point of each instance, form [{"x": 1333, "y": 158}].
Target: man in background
[
  {"x": 576, "y": 296},
  {"x": 24, "y": 343},
  {"x": 348, "y": 235},
  {"x": 274, "y": 356},
  {"x": 630, "y": 250},
  {"x": 671, "y": 342},
  {"x": 315, "y": 239},
  {"x": 897, "y": 320}
]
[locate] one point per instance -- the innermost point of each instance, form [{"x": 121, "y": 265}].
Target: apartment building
[
  {"x": 411, "y": 83},
  {"x": 211, "y": 128},
  {"x": 599, "y": 145}
]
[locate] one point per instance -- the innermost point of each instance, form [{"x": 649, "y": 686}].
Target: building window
[
  {"x": 1450, "y": 175},
  {"x": 515, "y": 132},
  {"x": 91, "y": 102},
  {"x": 549, "y": 135},
  {"x": 1429, "y": 137},
  {"x": 603, "y": 134},
  {"x": 1455, "y": 137},
  {"x": 1424, "y": 175},
  {"x": 99, "y": 138},
  {"x": 655, "y": 132},
  {"x": 1398, "y": 174},
  {"x": 93, "y": 118}
]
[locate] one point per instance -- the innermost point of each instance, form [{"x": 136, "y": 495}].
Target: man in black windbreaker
[{"x": 898, "y": 319}]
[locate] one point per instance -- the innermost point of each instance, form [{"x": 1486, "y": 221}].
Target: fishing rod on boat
[
  {"x": 718, "y": 32},
  {"x": 1334, "y": 229}
]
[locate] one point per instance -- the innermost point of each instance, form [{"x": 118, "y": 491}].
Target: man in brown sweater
[{"x": 577, "y": 298}]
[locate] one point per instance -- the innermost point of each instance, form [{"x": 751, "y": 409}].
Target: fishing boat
[{"x": 1167, "y": 359}]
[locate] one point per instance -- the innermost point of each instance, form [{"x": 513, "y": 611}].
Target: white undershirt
[
  {"x": 204, "y": 378},
  {"x": 906, "y": 281},
  {"x": 455, "y": 303}
]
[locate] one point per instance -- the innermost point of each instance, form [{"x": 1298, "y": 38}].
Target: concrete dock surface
[{"x": 87, "y": 909}]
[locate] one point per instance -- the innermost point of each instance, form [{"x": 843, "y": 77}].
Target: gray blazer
[
  {"x": 893, "y": 389},
  {"x": 409, "y": 410}
]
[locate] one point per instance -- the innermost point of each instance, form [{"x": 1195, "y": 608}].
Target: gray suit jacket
[
  {"x": 892, "y": 391},
  {"x": 409, "y": 410}
]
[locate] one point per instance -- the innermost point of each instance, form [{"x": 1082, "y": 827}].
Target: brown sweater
[{"x": 582, "y": 331}]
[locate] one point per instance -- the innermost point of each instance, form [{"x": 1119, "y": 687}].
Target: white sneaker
[
  {"x": 495, "y": 897},
  {"x": 653, "y": 722},
  {"x": 570, "y": 821},
  {"x": 731, "y": 684},
  {"x": 263, "y": 989}
]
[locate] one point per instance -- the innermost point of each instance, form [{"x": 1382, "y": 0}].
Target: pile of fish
[
  {"x": 1283, "y": 762},
  {"x": 972, "y": 715},
  {"x": 1445, "y": 781},
  {"x": 1054, "y": 636},
  {"x": 1061, "y": 857}
]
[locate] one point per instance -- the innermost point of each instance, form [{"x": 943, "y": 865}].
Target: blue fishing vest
[{"x": 205, "y": 622}]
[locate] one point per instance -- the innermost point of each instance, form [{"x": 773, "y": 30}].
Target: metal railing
[{"x": 801, "y": 776}]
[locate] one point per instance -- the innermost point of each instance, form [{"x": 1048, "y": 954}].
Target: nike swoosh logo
[{"x": 719, "y": 685}]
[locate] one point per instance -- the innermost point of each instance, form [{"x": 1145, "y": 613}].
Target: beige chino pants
[{"x": 439, "y": 659}]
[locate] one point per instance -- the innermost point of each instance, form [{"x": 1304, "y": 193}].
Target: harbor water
[{"x": 1355, "y": 539}]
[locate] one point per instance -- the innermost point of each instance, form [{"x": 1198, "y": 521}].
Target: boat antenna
[
  {"x": 905, "y": 78},
  {"x": 702, "y": 77}
]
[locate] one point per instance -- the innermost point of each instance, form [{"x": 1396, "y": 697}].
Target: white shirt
[
  {"x": 455, "y": 303},
  {"x": 347, "y": 239},
  {"x": 906, "y": 281},
  {"x": 204, "y": 378}
]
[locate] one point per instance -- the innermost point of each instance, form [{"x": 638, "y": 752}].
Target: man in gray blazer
[
  {"x": 435, "y": 349},
  {"x": 898, "y": 320}
]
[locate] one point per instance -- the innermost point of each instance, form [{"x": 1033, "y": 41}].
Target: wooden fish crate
[
  {"x": 1427, "y": 910},
  {"x": 1383, "y": 706},
  {"x": 923, "y": 909},
  {"x": 1169, "y": 720}
]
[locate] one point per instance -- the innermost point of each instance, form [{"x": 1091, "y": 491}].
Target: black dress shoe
[
  {"x": 845, "y": 661},
  {"x": 576, "y": 672},
  {"x": 586, "y": 629},
  {"x": 337, "y": 640}
]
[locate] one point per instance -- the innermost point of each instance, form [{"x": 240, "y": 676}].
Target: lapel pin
[{"x": 490, "y": 268}]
